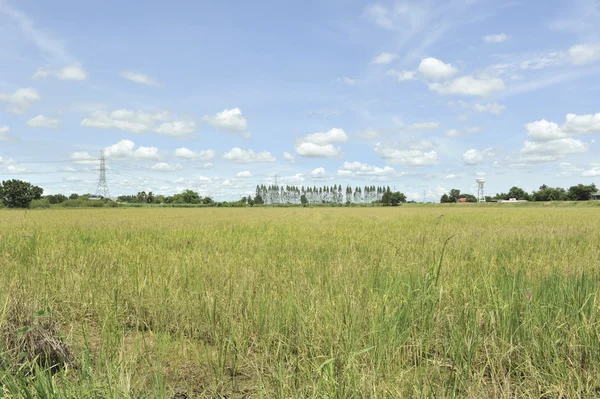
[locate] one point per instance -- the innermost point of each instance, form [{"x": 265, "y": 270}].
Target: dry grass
[{"x": 311, "y": 303}]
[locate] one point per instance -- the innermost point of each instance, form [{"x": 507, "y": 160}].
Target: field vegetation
[{"x": 413, "y": 301}]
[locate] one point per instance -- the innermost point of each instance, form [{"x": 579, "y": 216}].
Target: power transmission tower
[{"x": 102, "y": 190}]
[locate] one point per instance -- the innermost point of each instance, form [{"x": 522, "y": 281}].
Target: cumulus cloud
[
  {"x": 230, "y": 121},
  {"x": 21, "y": 100},
  {"x": 321, "y": 145},
  {"x": 248, "y": 156},
  {"x": 71, "y": 72},
  {"x": 584, "y": 53},
  {"x": 476, "y": 157},
  {"x": 549, "y": 151},
  {"x": 165, "y": 167},
  {"x": 176, "y": 128},
  {"x": 411, "y": 155},
  {"x": 468, "y": 86},
  {"x": 544, "y": 131},
  {"x": 42, "y": 121},
  {"x": 594, "y": 172},
  {"x": 498, "y": 38},
  {"x": 402, "y": 75},
  {"x": 493, "y": 108},
  {"x": 363, "y": 169},
  {"x": 186, "y": 153},
  {"x": 319, "y": 174},
  {"x": 126, "y": 149},
  {"x": 140, "y": 78},
  {"x": 582, "y": 123},
  {"x": 434, "y": 69},
  {"x": 124, "y": 119},
  {"x": 384, "y": 58},
  {"x": 289, "y": 157},
  {"x": 244, "y": 174}
]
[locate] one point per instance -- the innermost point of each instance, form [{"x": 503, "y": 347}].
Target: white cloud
[
  {"x": 548, "y": 151},
  {"x": 124, "y": 119},
  {"x": 248, "y": 156},
  {"x": 476, "y": 157},
  {"x": 83, "y": 158},
  {"x": 333, "y": 136},
  {"x": 317, "y": 151},
  {"x": 71, "y": 72},
  {"x": 499, "y": 38},
  {"x": 125, "y": 149},
  {"x": 582, "y": 123},
  {"x": 451, "y": 177},
  {"x": 244, "y": 174},
  {"x": 544, "y": 60},
  {"x": 165, "y": 167},
  {"x": 435, "y": 69},
  {"x": 208, "y": 165},
  {"x": 412, "y": 155},
  {"x": 289, "y": 157},
  {"x": 176, "y": 128},
  {"x": 140, "y": 78},
  {"x": 384, "y": 58},
  {"x": 21, "y": 100},
  {"x": 370, "y": 133},
  {"x": 594, "y": 172},
  {"x": 468, "y": 86},
  {"x": 493, "y": 108},
  {"x": 229, "y": 120},
  {"x": 319, "y": 174},
  {"x": 4, "y": 130},
  {"x": 363, "y": 169},
  {"x": 14, "y": 170},
  {"x": 42, "y": 121},
  {"x": 584, "y": 53},
  {"x": 544, "y": 131},
  {"x": 186, "y": 153},
  {"x": 348, "y": 81},
  {"x": 424, "y": 126},
  {"x": 321, "y": 144},
  {"x": 402, "y": 75},
  {"x": 146, "y": 153},
  {"x": 380, "y": 16}
]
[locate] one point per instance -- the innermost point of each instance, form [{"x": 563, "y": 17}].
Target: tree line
[
  {"x": 579, "y": 192},
  {"x": 336, "y": 194}
]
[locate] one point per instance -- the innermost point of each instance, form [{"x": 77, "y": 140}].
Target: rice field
[{"x": 415, "y": 301}]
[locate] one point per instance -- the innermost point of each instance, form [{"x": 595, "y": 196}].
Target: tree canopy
[{"x": 19, "y": 193}]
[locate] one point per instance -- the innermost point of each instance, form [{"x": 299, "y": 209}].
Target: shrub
[{"x": 40, "y": 204}]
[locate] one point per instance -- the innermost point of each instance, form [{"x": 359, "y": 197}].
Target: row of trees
[
  {"x": 580, "y": 192},
  {"x": 336, "y": 194},
  {"x": 186, "y": 197}
]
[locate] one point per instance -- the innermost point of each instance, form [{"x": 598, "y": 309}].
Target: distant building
[
  {"x": 595, "y": 196},
  {"x": 461, "y": 200},
  {"x": 513, "y": 200}
]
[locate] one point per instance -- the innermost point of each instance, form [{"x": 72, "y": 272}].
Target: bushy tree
[
  {"x": 445, "y": 199},
  {"x": 454, "y": 195},
  {"x": 547, "y": 193},
  {"x": 19, "y": 194},
  {"x": 581, "y": 192},
  {"x": 390, "y": 198}
]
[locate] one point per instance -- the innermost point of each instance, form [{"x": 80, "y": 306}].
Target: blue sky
[{"x": 221, "y": 96}]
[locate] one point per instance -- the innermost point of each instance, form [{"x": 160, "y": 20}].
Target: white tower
[{"x": 480, "y": 194}]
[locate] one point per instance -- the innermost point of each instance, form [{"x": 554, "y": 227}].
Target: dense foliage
[
  {"x": 580, "y": 192},
  {"x": 19, "y": 194}
]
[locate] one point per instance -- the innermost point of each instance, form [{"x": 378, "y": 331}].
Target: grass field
[{"x": 301, "y": 303}]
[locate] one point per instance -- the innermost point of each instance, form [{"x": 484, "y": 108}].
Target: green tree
[
  {"x": 454, "y": 195},
  {"x": 19, "y": 194},
  {"x": 258, "y": 200},
  {"x": 150, "y": 197},
  {"x": 581, "y": 192},
  {"x": 445, "y": 199},
  {"x": 393, "y": 198},
  {"x": 518, "y": 193},
  {"x": 73, "y": 196},
  {"x": 303, "y": 200}
]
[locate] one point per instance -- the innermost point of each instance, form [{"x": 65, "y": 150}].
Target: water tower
[{"x": 480, "y": 194}]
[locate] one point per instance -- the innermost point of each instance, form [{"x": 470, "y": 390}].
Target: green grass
[{"x": 309, "y": 303}]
